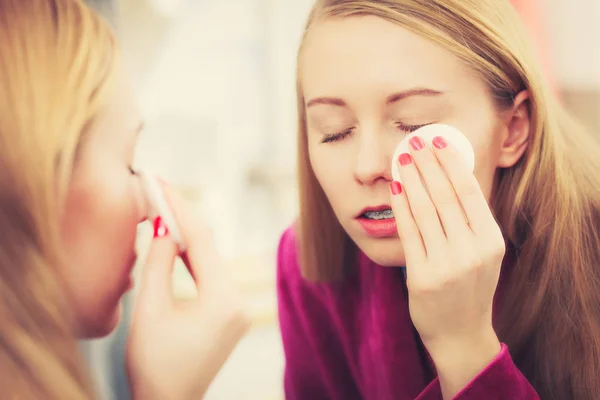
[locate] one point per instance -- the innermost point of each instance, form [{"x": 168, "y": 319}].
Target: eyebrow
[
  {"x": 390, "y": 99},
  {"x": 412, "y": 93}
]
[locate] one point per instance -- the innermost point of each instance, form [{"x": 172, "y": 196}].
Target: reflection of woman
[
  {"x": 69, "y": 207},
  {"x": 368, "y": 73}
]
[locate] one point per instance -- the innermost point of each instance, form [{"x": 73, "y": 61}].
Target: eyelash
[
  {"x": 132, "y": 171},
  {"x": 334, "y": 137}
]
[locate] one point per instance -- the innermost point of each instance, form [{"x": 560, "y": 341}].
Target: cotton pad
[
  {"x": 158, "y": 207},
  {"x": 452, "y": 135}
]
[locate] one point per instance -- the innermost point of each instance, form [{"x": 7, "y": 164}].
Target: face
[
  {"x": 367, "y": 83},
  {"x": 103, "y": 208}
]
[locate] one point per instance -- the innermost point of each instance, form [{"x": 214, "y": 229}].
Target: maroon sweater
[{"x": 355, "y": 340}]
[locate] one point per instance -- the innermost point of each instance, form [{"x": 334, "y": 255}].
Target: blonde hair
[
  {"x": 56, "y": 61},
  {"x": 548, "y": 204}
]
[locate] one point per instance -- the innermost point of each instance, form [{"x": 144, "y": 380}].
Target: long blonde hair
[
  {"x": 548, "y": 204},
  {"x": 56, "y": 61}
]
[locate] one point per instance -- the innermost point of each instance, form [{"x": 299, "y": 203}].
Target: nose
[{"x": 373, "y": 159}]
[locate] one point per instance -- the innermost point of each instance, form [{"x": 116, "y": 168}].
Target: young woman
[
  {"x": 496, "y": 302},
  {"x": 69, "y": 207}
]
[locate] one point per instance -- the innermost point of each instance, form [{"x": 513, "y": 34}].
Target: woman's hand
[
  {"x": 175, "y": 349},
  {"x": 454, "y": 250}
]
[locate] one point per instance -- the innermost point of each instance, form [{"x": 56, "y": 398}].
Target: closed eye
[
  {"x": 409, "y": 128},
  {"x": 334, "y": 137}
]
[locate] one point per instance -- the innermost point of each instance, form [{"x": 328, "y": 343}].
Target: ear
[{"x": 515, "y": 133}]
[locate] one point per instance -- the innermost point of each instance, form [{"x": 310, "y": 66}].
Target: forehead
[
  {"x": 119, "y": 118},
  {"x": 365, "y": 51}
]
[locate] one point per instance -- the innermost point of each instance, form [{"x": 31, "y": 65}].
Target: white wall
[{"x": 574, "y": 37}]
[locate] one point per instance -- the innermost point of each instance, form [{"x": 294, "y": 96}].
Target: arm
[{"x": 464, "y": 374}]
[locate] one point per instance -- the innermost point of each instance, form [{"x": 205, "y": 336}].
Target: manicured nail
[
  {"x": 404, "y": 159},
  {"x": 417, "y": 143},
  {"x": 160, "y": 229},
  {"x": 396, "y": 188},
  {"x": 439, "y": 142}
]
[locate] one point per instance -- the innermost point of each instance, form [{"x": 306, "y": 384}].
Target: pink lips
[{"x": 380, "y": 228}]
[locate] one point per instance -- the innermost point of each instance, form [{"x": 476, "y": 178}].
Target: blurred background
[{"x": 215, "y": 81}]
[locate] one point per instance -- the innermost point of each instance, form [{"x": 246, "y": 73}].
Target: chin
[
  {"x": 387, "y": 252},
  {"x": 95, "y": 328}
]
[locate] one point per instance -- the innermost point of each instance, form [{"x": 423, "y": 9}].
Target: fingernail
[
  {"x": 417, "y": 143},
  {"x": 439, "y": 142},
  {"x": 396, "y": 188},
  {"x": 404, "y": 159},
  {"x": 160, "y": 229}
]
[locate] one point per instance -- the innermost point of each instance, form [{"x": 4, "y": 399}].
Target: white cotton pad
[
  {"x": 427, "y": 133},
  {"x": 158, "y": 207}
]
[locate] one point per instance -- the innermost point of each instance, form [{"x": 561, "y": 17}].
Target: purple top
[{"x": 355, "y": 340}]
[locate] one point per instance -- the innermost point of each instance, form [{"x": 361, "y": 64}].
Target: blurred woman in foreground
[{"x": 70, "y": 203}]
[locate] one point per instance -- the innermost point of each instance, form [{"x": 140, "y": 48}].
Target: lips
[{"x": 378, "y": 221}]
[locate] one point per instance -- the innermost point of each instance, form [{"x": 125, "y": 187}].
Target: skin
[
  {"x": 104, "y": 205},
  {"x": 351, "y": 72}
]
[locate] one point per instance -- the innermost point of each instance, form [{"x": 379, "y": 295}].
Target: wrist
[
  {"x": 477, "y": 349},
  {"x": 458, "y": 360}
]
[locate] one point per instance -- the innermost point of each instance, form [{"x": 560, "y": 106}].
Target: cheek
[
  {"x": 95, "y": 213},
  {"x": 482, "y": 133},
  {"x": 486, "y": 157},
  {"x": 484, "y": 170},
  {"x": 330, "y": 164},
  {"x": 99, "y": 232},
  {"x": 117, "y": 212}
]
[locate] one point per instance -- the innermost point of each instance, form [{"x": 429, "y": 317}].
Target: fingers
[
  {"x": 201, "y": 256},
  {"x": 467, "y": 189},
  {"x": 156, "y": 276},
  {"x": 441, "y": 192},
  {"x": 408, "y": 231},
  {"x": 423, "y": 209}
]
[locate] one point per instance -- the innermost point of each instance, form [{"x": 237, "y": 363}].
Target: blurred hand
[{"x": 175, "y": 349}]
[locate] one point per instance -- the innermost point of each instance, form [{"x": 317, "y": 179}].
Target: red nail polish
[
  {"x": 160, "y": 229},
  {"x": 396, "y": 188},
  {"x": 404, "y": 159},
  {"x": 439, "y": 142},
  {"x": 417, "y": 143}
]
